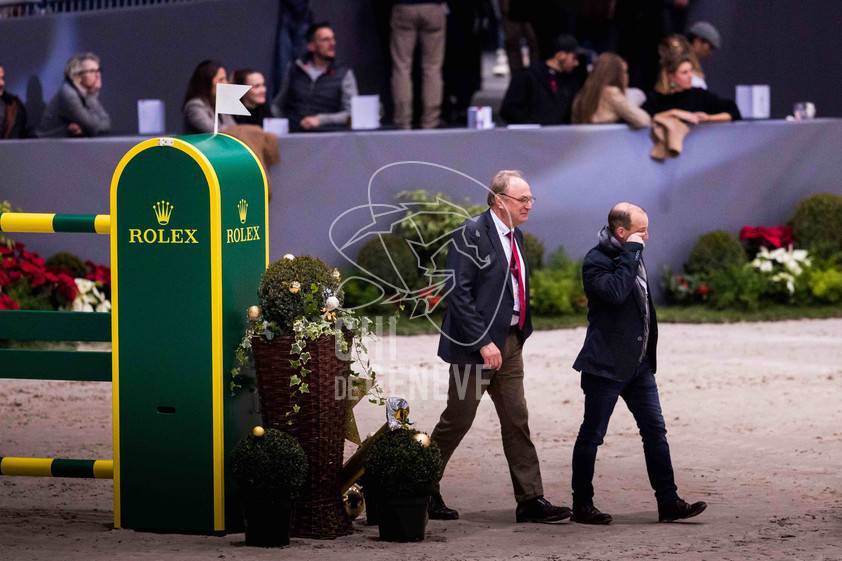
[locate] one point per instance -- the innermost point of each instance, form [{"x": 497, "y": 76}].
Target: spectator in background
[
  {"x": 75, "y": 110},
  {"x": 12, "y": 112},
  {"x": 294, "y": 18},
  {"x": 603, "y": 97},
  {"x": 200, "y": 99},
  {"x": 544, "y": 92},
  {"x": 425, "y": 22},
  {"x": 691, "y": 105},
  {"x": 255, "y": 99},
  {"x": 462, "y": 67},
  {"x": 672, "y": 47},
  {"x": 517, "y": 30},
  {"x": 703, "y": 38},
  {"x": 640, "y": 25},
  {"x": 316, "y": 92}
]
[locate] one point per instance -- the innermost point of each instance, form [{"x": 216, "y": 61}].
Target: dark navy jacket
[
  {"x": 480, "y": 298},
  {"x": 614, "y": 341}
]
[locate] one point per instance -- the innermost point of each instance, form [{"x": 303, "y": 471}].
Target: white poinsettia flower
[
  {"x": 766, "y": 266},
  {"x": 104, "y": 306},
  {"x": 84, "y": 285},
  {"x": 799, "y": 254}
]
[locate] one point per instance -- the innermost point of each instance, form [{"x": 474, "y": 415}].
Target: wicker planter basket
[{"x": 319, "y": 426}]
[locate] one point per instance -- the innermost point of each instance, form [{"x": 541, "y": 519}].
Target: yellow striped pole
[
  {"x": 49, "y": 223},
  {"x": 57, "y": 467}
]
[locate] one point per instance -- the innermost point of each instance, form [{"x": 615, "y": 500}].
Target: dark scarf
[{"x": 613, "y": 246}]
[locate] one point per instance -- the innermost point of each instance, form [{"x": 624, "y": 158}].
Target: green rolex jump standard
[{"x": 189, "y": 243}]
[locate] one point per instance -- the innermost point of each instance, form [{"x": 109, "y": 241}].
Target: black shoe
[
  {"x": 437, "y": 510},
  {"x": 589, "y": 514},
  {"x": 542, "y": 511},
  {"x": 679, "y": 509}
]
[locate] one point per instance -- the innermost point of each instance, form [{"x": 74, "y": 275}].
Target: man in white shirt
[{"x": 483, "y": 330}]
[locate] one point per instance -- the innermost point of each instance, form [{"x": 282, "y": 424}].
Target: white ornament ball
[
  {"x": 331, "y": 303},
  {"x": 289, "y": 256}
]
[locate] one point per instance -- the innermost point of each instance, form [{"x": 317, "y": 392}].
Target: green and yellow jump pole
[
  {"x": 51, "y": 223},
  {"x": 57, "y": 467}
]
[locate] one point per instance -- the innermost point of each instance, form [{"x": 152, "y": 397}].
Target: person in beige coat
[{"x": 603, "y": 97}]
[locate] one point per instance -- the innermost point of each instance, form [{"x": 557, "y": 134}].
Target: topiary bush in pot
[
  {"x": 403, "y": 467},
  {"x": 270, "y": 468}
]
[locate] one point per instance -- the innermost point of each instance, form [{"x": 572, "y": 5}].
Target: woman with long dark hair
[
  {"x": 603, "y": 97},
  {"x": 200, "y": 99}
]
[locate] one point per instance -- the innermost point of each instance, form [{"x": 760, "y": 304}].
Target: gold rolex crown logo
[
  {"x": 163, "y": 211},
  {"x": 243, "y": 209}
]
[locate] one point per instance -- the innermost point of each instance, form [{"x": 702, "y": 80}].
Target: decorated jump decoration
[{"x": 189, "y": 243}]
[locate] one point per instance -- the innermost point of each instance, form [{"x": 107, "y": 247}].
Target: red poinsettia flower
[{"x": 6, "y": 303}]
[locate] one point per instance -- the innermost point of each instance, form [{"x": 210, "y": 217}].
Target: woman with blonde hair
[
  {"x": 603, "y": 97},
  {"x": 676, "y": 46},
  {"x": 690, "y": 104}
]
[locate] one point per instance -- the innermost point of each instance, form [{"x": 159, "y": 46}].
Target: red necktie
[{"x": 514, "y": 267}]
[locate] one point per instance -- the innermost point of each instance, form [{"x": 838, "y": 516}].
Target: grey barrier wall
[
  {"x": 729, "y": 175},
  {"x": 146, "y": 52}
]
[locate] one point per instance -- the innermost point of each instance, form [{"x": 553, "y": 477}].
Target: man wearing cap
[
  {"x": 543, "y": 93},
  {"x": 703, "y": 38}
]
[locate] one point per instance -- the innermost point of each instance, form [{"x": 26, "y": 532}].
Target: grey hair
[
  {"x": 74, "y": 65},
  {"x": 500, "y": 182}
]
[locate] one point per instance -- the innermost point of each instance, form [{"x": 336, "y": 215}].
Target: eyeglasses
[
  {"x": 524, "y": 200},
  {"x": 91, "y": 70}
]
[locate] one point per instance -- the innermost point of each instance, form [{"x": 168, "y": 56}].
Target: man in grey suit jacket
[{"x": 484, "y": 327}]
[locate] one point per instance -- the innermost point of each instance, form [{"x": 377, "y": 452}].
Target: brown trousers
[
  {"x": 468, "y": 383},
  {"x": 412, "y": 23}
]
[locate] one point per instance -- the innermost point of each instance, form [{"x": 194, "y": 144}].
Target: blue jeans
[{"x": 641, "y": 396}]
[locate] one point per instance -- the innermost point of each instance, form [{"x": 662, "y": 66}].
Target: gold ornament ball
[
  {"x": 254, "y": 312},
  {"x": 423, "y": 439},
  {"x": 258, "y": 431}
]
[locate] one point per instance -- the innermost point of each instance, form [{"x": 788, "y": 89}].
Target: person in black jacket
[
  {"x": 12, "y": 112},
  {"x": 544, "y": 92},
  {"x": 482, "y": 334},
  {"x": 692, "y": 105},
  {"x": 618, "y": 359}
]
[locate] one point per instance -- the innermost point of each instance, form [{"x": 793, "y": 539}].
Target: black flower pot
[
  {"x": 372, "y": 505},
  {"x": 403, "y": 519},
  {"x": 267, "y": 520}
]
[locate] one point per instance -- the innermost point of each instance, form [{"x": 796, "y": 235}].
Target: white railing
[{"x": 24, "y": 8}]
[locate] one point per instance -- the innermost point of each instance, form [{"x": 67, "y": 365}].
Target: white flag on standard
[{"x": 228, "y": 102}]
